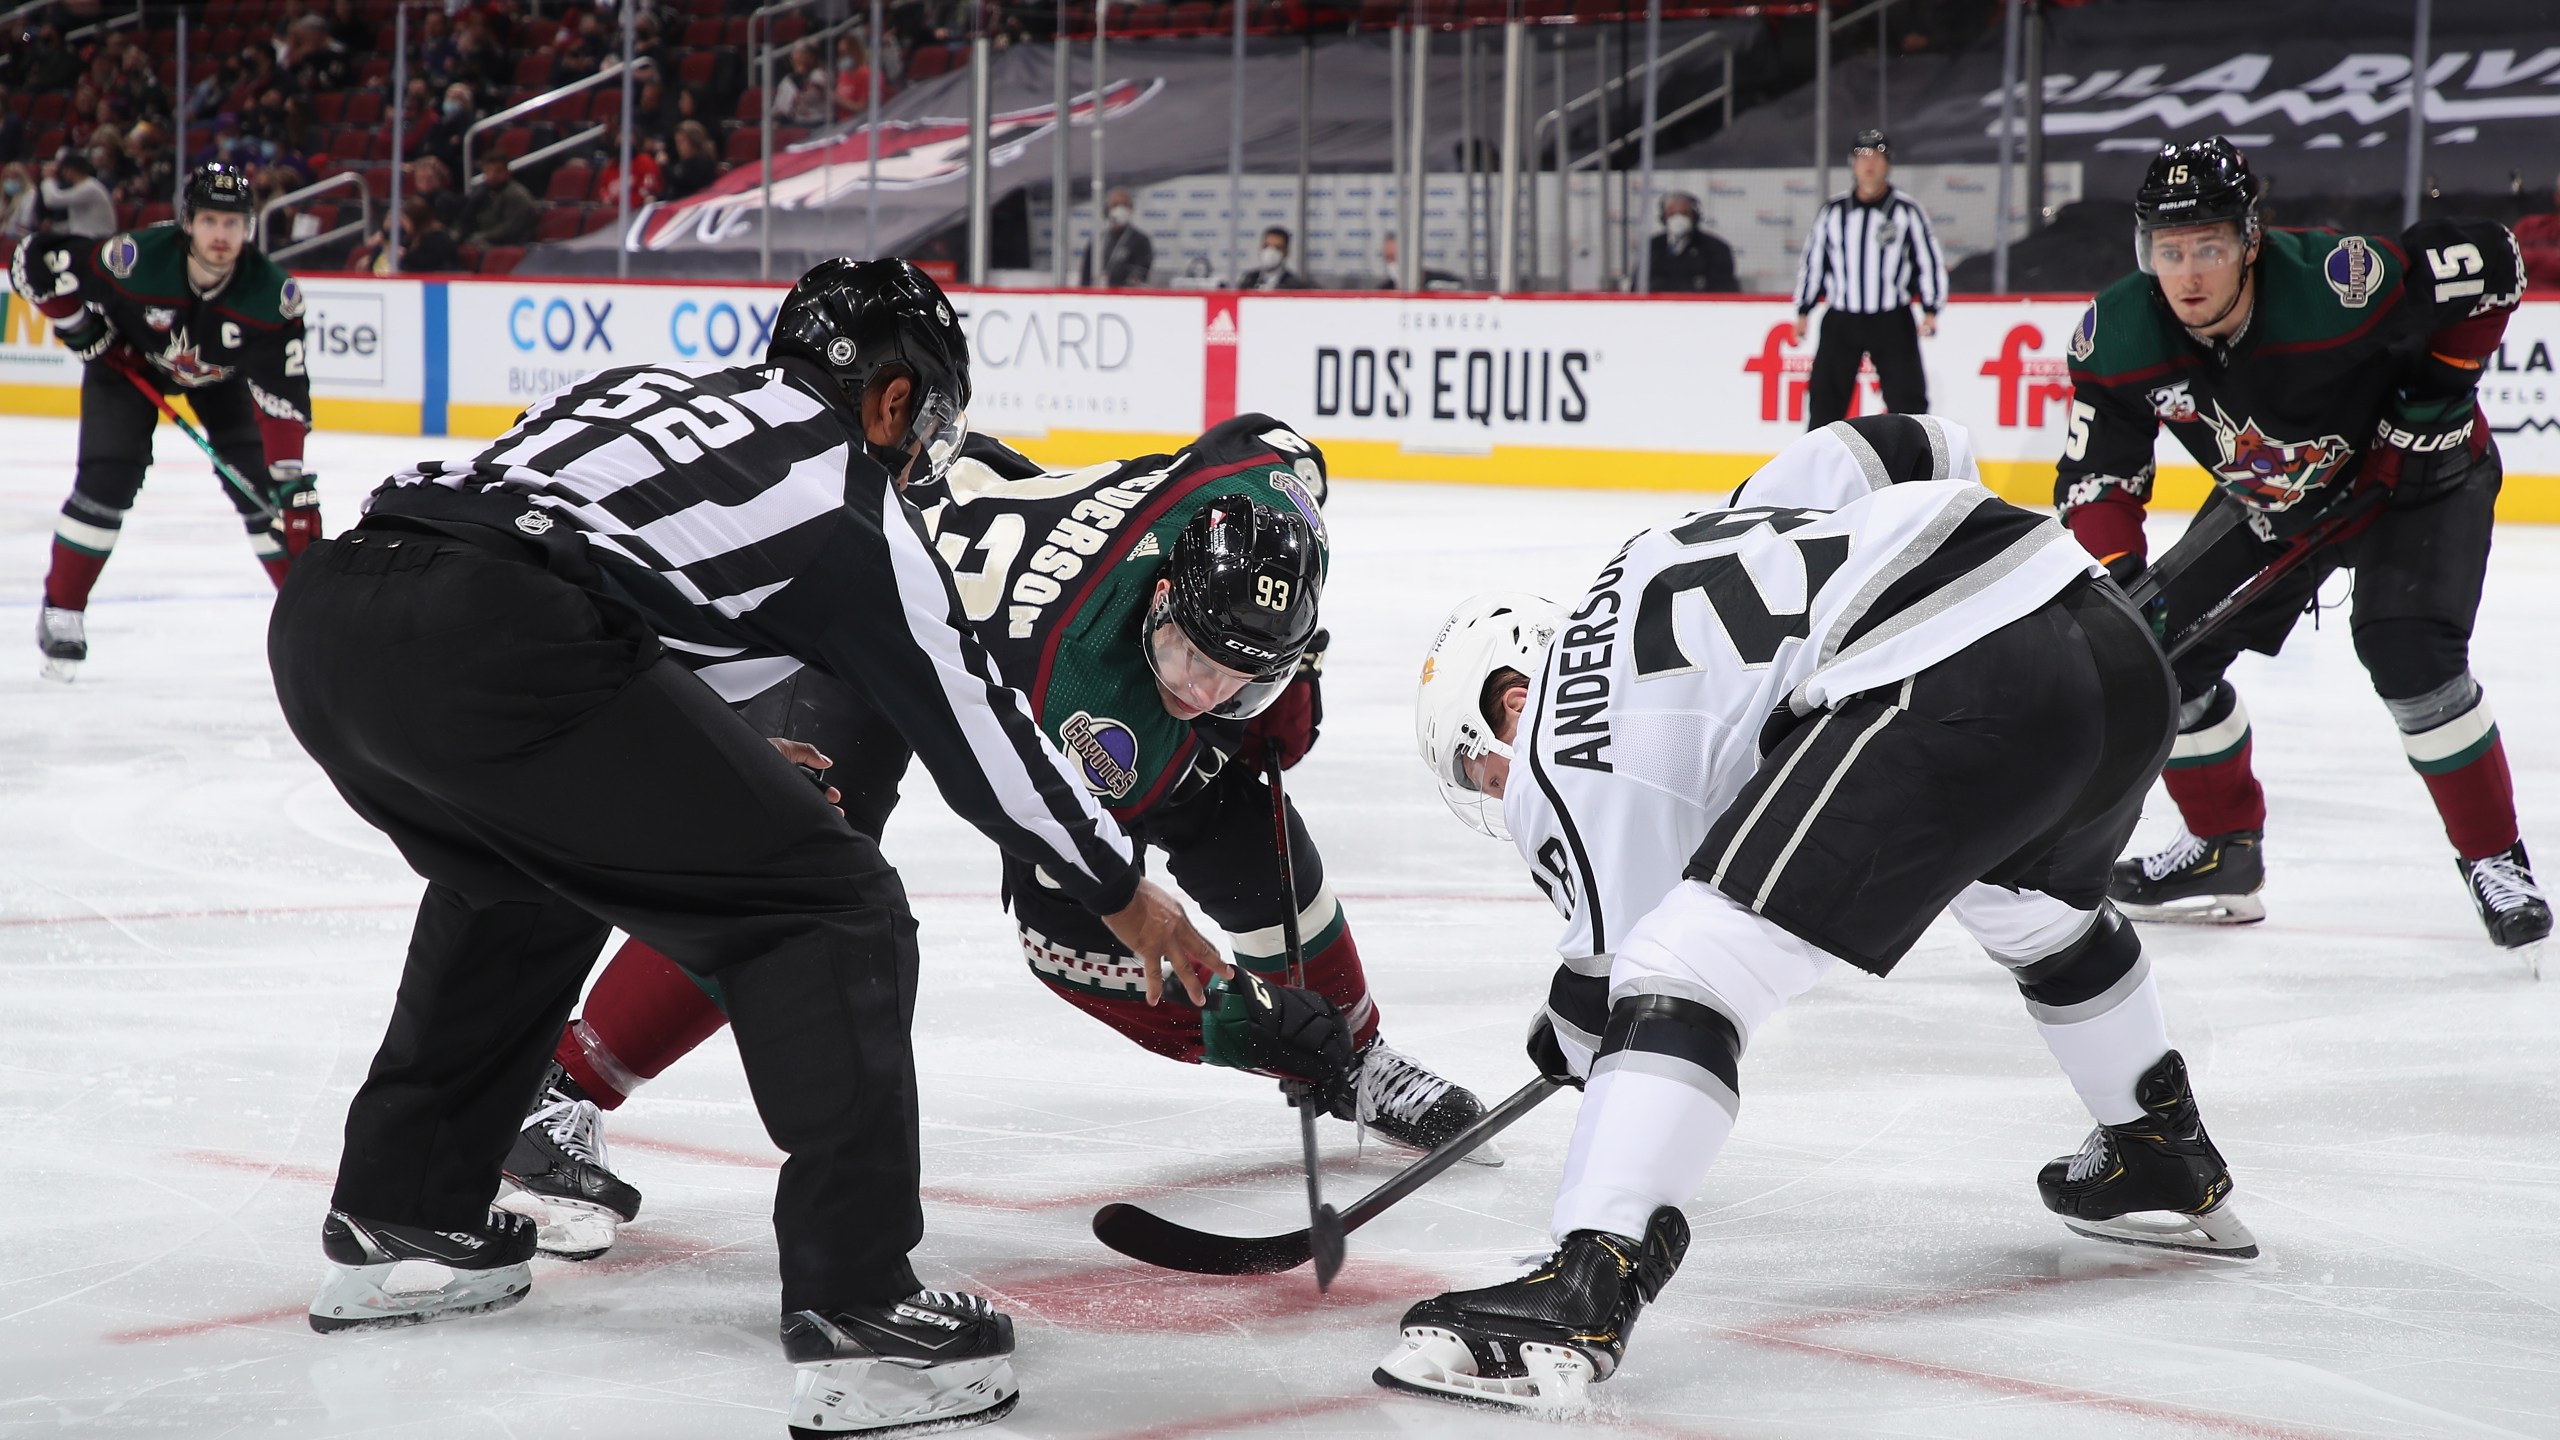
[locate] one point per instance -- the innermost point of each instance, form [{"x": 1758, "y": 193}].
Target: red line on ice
[{"x": 1249, "y": 1419}]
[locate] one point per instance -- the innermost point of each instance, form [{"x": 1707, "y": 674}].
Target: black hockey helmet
[
  {"x": 1870, "y": 139},
  {"x": 855, "y": 319},
  {"x": 219, "y": 185},
  {"x": 2201, "y": 182},
  {"x": 1242, "y": 587}
]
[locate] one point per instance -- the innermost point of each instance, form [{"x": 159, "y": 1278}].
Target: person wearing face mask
[
  {"x": 1128, "y": 256},
  {"x": 1271, "y": 269},
  {"x": 1688, "y": 258},
  {"x": 454, "y": 121},
  {"x": 20, "y": 213}
]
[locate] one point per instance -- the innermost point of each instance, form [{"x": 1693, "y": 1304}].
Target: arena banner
[
  {"x": 366, "y": 345},
  {"x": 1045, "y": 366}
]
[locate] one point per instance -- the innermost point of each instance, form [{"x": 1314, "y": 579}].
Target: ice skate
[
  {"x": 1540, "y": 1342},
  {"x": 2511, "y": 905},
  {"x": 63, "y": 636},
  {"x": 382, "y": 1275},
  {"x": 2161, "y": 1164},
  {"x": 937, "y": 1360},
  {"x": 2195, "y": 881},
  {"x": 558, "y": 1176},
  {"x": 1414, "y": 1108}
]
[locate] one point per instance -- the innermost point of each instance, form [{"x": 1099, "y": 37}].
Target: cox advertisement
[{"x": 1040, "y": 363}]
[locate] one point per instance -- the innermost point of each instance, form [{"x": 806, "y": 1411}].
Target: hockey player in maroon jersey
[{"x": 2325, "y": 382}]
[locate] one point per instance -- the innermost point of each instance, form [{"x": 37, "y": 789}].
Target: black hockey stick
[
  {"x": 1143, "y": 1235},
  {"x": 1324, "y": 1227},
  {"x": 2349, "y": 521}
]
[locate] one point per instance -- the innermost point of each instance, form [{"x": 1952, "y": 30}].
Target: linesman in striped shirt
[{"x": 1871, "y": 257}]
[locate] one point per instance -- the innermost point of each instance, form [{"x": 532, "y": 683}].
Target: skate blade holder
[
  {"x": 1554, "y": 1380},
  {"x": 2200, "y": 910},
  {"x": 872, "y": 1396},
  {"x": 566, "y": 1229},
  {"x": 412, "y": 1292},
  {"x": 2218, "y": 1232}
]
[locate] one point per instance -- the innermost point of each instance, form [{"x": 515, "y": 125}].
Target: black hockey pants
[
  {"x": 1891, "y": 338},
  {"x": 117, "y": 427},
  {"x": 551, "y": 775},
  {"x": 2418, "y": 571}
]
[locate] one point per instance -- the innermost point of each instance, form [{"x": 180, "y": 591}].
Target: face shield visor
[
  {"x": 2186, "y": 247},
  {"x": 1201, "y": 685},
  {"x": 1481, "y": 812},
  {"x": 934, "y": 439}
]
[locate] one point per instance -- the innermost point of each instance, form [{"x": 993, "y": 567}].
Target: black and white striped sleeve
[
  {"x": 876, "y": 609},
  {"x": 1928, "y": 265},
  {"x": 1811, "y": 271}
]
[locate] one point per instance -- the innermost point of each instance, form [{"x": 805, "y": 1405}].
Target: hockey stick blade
[{"x": 1145, "y": 1236}]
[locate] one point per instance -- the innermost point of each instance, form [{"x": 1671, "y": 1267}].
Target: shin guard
[
  {"x": 2451, "y": 738},
  {"x": 643, "y": 1015},
  {"x": 2208, "y": 771}
]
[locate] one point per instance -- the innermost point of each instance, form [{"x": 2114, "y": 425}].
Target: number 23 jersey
[{"x": 1821, "y": 580}]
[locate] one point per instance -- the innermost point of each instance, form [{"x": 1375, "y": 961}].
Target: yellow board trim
[{"x": 378, "y": 417}]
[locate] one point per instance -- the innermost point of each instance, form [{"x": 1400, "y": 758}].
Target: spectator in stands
[
  {"x": 1686, "y": 256},
  {"x": 1431, "y": 279},
  {"x": 478, "y": 60},
  {"x": 73, "y": 200},
  {"x": 50, "y": 66},
  {"x": 257, "y": 76},
  {"x": 853, "y": 77},
  {"x": 138, "y": 84},
  {"x": 426, "y": 245},
  {"x": 2538, "y": 236},
  {"x": 452, "y": 123},
  {"x": 802, "y": 96},
  {"x": 653, "y": 111},
  {"x": 312, "y": 59},
  {"x": 1271, "y": 270},
  {"x": 503, "y": 213},
  {"x": 350, "y": 29},
  {"x": 435, "y": 48},
  {"x": 580, "y": 45},
  {"x": 648, "y": 181},
  {"x": 20, "y": 214},
  {"x": 154, "y": 171},
  {"x": 430, "y": 182},
  {"x": 1128, "y": 256},
  {"x": 107, "y": 159},
  {"x": 205, "y": 100},
  {"x": 13, "y": 131},
  {"x": 697, "y": 161}
]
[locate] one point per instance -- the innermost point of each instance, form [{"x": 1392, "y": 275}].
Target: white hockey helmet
[{"x": 1495, "y": 631}]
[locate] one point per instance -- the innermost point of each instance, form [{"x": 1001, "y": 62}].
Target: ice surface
[{"x": 198, "y": 945}]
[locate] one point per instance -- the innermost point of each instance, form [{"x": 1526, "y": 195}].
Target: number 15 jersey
[{"x": 1863, "y": 554}]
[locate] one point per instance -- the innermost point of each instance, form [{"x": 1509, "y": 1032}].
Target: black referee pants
[
  {"x": 1891, "y": 338},
  {"x": 551, "y": 775}
]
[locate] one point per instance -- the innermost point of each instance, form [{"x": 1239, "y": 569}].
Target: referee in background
[{"x": 1870, "y": 257}]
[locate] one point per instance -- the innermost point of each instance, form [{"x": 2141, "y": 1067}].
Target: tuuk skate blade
[
  {"x": 1431, "y": 1362},
  {"x": 567, "y": 1229},
  {"x": 378, "y": 1297},
  {"x": 60, "y": 671},
  {"x": 2200, "y": 910},
  {"x": 2217, "y": 1232},
  {"x": 883, "y": 1397}
]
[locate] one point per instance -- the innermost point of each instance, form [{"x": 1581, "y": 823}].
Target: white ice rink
[{"x": 198, "y": 945}]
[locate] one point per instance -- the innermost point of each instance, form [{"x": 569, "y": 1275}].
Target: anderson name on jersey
[{"x": 1823, "y": 578}]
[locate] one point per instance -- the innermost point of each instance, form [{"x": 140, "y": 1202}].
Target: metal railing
[
  {"x": 470, "y": 176},
  {"x": 362, "y": 226}
]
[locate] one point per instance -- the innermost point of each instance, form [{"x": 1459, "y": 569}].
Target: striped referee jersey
[
  {"x": 734, "y": 510},
  {"x": 1871, "y": 259}
]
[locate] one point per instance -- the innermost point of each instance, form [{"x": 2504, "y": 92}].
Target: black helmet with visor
[
  {"x": 1238, "y": 604},
  {"x": 867, "y": 320}
]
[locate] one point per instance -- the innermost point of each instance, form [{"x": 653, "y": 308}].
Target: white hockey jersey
[{"x": 1823, "y": 578}]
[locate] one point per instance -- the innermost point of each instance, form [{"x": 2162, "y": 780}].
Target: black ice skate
[
  {"x": 382, "y": 1275},
  {"x": 2163, "y": 1162},
  {"x": 2514, "y": 909},
  {"x": 63, "y": 636},
  {"x": 2195, "y": 881},
  {"x": 557, "y": 1174},
  {"x": 937, "y": 1360},
  {"x": 1539, "y": 1342},
  {"x": 1415, "y": 1108}
]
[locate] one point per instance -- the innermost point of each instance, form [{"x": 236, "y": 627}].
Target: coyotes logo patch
[{"x": 2269, "y": 473}]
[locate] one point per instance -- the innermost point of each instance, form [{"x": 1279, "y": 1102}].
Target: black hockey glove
[
  {"x": 1548, "y": 1055},
  {"x": 2422, "y": 448},
  {"x": 1255, "y": 1024},
  {"x": 87, "y": 335}
]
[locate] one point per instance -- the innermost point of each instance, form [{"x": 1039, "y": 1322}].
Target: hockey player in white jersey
[{"x": 1776, "y": 736}]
